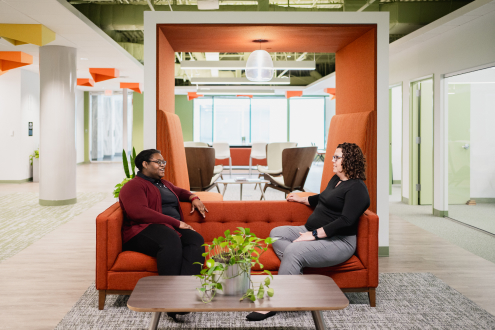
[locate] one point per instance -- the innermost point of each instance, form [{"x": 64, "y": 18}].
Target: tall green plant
[{"x": 128, "y": 176}]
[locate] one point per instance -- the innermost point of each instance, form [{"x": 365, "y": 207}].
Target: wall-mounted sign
[{"x": 30, "y": 128}]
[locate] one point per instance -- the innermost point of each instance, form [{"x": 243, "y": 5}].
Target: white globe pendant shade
[{"x": 259, "y": 66}]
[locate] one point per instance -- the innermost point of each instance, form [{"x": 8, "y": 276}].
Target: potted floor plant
[
  {"x": 35, "y": 163},
  {"x": 228, "y": 269},
  {"x": 128, "y": 176}
]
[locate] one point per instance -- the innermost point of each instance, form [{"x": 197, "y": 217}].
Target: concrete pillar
[{"x": 57, "y": 125}]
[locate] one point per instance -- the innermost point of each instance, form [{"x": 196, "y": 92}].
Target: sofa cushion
[{"x": 129, "y": 261}]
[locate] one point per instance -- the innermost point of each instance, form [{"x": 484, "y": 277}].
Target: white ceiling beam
[
  {"x": 237, "y": 81},
  {"x": 235, "y": 92},
  {"x": 241, "y": 65}
]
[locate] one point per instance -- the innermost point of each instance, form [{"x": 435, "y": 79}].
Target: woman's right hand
[
  {"x": 295, "y": 198},
  {"x": 184, "y": 225}
]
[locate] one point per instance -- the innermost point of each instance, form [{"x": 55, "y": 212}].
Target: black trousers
[{"x": 174, "y": 255}]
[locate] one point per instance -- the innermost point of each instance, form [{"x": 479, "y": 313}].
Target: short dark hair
[
  {"x": 144, "y": 156},
  {"x": 353, "y": 161}
]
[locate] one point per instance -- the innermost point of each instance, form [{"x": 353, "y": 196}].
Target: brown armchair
[
  {"x": 296, "y": 163},
  {"x": 200, "y": 167}
]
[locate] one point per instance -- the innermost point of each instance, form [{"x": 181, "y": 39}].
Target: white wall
[
  {"x": 396, "y": 132},
  {"x": 459, "y": 48},
  {"x": 79, "y": 126},
  {"x": 19, "y": 105}
]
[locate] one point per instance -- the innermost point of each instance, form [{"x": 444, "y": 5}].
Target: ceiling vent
[{"x": 208, "y": 4}]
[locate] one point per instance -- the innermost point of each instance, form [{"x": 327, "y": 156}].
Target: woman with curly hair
[{"x": 329, "y": 236}]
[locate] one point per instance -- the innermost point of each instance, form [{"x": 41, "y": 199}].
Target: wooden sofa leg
[
  {"x": 372, "y": 297},
  {"x": 101, "y": 299}
]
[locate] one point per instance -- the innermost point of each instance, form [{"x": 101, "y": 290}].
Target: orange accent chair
[
  {"x": 117, "y": 272},
  {"x": 171, "y": 145}
]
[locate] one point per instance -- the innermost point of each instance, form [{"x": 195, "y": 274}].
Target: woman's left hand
[
  {"x": 307, "y": 236},
  {"x": 198, "y": 205}
]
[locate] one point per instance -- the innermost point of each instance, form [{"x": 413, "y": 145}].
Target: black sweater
[{"x": 337, "y": 209}]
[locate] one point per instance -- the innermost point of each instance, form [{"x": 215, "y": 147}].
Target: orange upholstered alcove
[{"x": 356, "y": 79}]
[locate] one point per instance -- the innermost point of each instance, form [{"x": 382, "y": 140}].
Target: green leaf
[
  {"x": 270, "y": 292},
  {"x": 269, "y": 273},
  {"x": 227, "y": 233},
  {"x": 133, "y": 159},
  {"x": 219, "y": 286},
  {"x": 261, "y": 291},
  {"x": 125, "y": 163},
  {"x": 204, "y": 255},
  {"x": 247, "y": 231},
  {"x": 224, "y": 244},
  {"x": 252, "y": 297},
  {"x": 201, "y": 289},
  {"x": 210, "y": 263},
  {"x": 242, "y": 230},
  {"x": 267, "y": 281},
  {"x": 270, "y": 240},
  {"x": 197, "y": 263},
  {"x": 249, "y": 292}
]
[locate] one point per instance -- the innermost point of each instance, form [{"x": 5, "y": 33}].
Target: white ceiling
[
  {"x": 73, "y": 30},
  {"x": 463, "y": 15}
]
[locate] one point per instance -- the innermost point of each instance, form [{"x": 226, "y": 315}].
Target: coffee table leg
[
  {"x": 241, "y": 191},
  {"x": 319, "y": 321},
  {"x": 224, "y": 188},
  {"x": 154, "y": 320},
  {"x": 262, "y": 193}
]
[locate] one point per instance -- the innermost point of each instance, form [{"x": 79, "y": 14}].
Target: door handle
[{"x": 466, "y": 146}]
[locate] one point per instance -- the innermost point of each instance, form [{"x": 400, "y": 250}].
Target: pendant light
[{"x": 259, "y": 66}]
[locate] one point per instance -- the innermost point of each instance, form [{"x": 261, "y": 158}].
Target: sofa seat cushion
[
  {"x": 353, "y": 264},
  {"x": 130, "y": 261}
]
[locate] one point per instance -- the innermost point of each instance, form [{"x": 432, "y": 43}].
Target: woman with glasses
[
  {"x": 153, "y": 220},
  {"x": 329, "y": 236}
]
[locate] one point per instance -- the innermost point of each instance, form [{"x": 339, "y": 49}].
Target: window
[
  {"x": 307, "y": 121},
  {"x": 231, "y": 120},
  {"x": 269, "y": 119}
]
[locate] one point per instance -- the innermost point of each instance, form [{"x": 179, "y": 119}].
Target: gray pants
[{"x": 324, "y": 252}]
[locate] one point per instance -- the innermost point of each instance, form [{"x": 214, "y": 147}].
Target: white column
[
  {"x": 57, "y": 125},
  {"x": 125, "y": 144}
]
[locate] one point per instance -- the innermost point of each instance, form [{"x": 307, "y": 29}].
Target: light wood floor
[{"x": 39, "y": 285}]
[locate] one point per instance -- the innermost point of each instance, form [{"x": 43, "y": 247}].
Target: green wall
[
  {"x": 184, "y": 109},
  {"x": 137, "y": 118}
]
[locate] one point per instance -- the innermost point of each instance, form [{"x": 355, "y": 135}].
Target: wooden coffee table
[{"x": 313, "y": 293}]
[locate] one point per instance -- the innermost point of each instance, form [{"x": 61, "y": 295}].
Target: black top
[
  {"x": 337, "y": 209},
  {"x": 170, "y": 203}
]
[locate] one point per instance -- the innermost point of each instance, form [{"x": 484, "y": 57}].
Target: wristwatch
[{"x": 315, "y": 233}]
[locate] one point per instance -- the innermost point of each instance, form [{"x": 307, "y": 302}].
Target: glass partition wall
[
  {"x": 471, "y": 148},
  {"x": 241, "y": 121},
  {"x": 107, "y": 126}
]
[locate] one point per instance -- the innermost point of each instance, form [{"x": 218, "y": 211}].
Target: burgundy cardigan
[{"x": 141, "y": 203}]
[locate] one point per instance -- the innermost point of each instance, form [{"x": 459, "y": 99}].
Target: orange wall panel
[
  {"x": 240, "y": 157},
  {"x": 165, "y": 84},
  {"x": 355, "y": 65}
]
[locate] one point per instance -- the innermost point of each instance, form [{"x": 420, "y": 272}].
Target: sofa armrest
[
  {"x": 367, "y": 245},
  {"x": 108, "y": 242}
]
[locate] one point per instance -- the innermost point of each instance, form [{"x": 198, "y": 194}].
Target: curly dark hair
[
  {"x": 144, "y": 156},
  {"x": 353, "y": 161}
]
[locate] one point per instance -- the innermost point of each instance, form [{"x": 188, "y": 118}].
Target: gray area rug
[
  {"x": 404, "y": 301},
  {"x": 23, "y": 220}
]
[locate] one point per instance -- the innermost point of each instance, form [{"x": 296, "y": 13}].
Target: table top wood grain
[{"x": 292, "y": 293}]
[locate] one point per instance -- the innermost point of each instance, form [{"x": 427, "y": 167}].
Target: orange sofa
[{"x": 117, "y": 272}]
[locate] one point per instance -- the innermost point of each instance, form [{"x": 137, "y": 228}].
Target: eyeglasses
[
  {"x": 336, "y": 158},
  {"x": 159, "y": 162}
]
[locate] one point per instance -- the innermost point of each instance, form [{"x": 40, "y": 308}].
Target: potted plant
[
  {"x": 229, "y": 268},
  {"x": 128, "y": 176},
  {"x": 35, "y": 163}
]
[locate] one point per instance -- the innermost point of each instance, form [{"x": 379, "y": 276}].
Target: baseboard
[
  {"x": 396, "y": 181},
  {"x": 405, "y": 200},
  {"x": 439, "y": 213},
  {"x": 383, "y": 251},
  {"x": 44, "y": 202},
  {"x": 483, "y": 200},
  {"x": 17, "y": 181}
]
